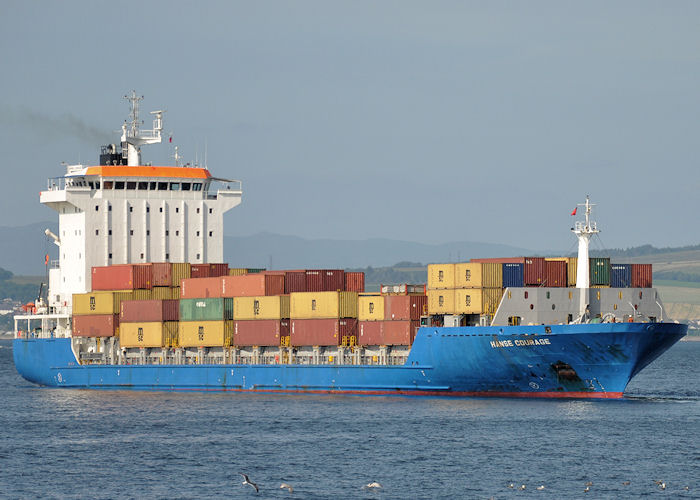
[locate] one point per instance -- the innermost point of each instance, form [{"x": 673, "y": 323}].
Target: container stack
[
  {"x": 148, "y": 323},
  {"x": 465, "y": 288},
  {"x": 261, "y": 320},
  {"x": 212, "y": 305},
  {"x": 96, "y": 314},
  {"x": 205, "y": 322},
  {"x": 323, "y": 318},
  {"x": 390, "y": 318}
]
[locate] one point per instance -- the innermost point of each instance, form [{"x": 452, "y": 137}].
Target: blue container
[
  {"x": 620, "y": 275},
  {"x": 512, "y": 275}
]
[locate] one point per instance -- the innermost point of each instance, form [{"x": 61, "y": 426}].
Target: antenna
[
  {"x": 133, "y": 137},
  {"x": 177, "y": 157}
]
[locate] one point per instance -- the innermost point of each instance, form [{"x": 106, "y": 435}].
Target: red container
[
  {"x": 533, "y": 271},
  {"x": 314, "y": 280},
  {"x": 502, "y": 260},
  {"x": 304, "y": 332},
  {"x": 162, "y": 274},
  {"x": 555, "y": 273},
  {"x": 122, "y": 277},
  {"x": 294, "y": 281},
  {"x": 404, "y": 307},
  {"x": 250, "y": 285},
  {"x": 216, "y": 270},
  {"x": 261, "y": 332},
  {"x": 333, "y": 280},
  {"x": 201, "y": 288},
  {"x": 354, "y": 281},
  {"x": 137, "y": 311},
  {"x": 641, "y": 276},
  {"x": 200, "y": 270},
  {"x": 98, "y": 325},
  {"x": 370, "y": 332},
  {"x": 400, "y": 332}
]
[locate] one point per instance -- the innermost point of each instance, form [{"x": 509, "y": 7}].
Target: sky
[{"x": 419, "y": 121}]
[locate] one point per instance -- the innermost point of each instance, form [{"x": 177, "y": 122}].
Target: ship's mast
[
  {"x": 132, "y": 137},
  {"x": 583, "y": 231}
]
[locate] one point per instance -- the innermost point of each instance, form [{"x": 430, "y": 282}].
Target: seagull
[
  {"x": 587, "y": 489},
  {"x": 662, "y": 486},
  {"x": 373, "y": 484},
  {"x": 247, "y": 480},
  {"x": 540, "y": 487},
  {"x": 687, "y": 488},
  {"x": 658, "y": 481},
  {"x": 287, "y": 486},
  {"x": 522, "y": 487},
  {"x": 625, "y": 483},
  {"x": 511, "y": 486}
]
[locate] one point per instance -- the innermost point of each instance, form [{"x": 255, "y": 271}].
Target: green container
[
  {"x": 255, "y": 270},
  {"x": 206, "y": 309},
  {"x": 600, "y": 270}
]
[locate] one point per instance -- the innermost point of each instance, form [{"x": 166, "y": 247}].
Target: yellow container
[
  {"x": 205, "y": 333},
  {"x": 99, "y": 302},
  {"x": 161, "y": 293},
  {"x": 479, "y": 275},
  {"x": 557, "y": 259},
  {"x": 261, "y": 307},
  {"x": 141, "y": 295},
  {"x": 311, "y": 305},
  {"x": 441, "y": 276},
  {"x": 370, "y": 307},
  {"x": 237, "y": 271},
  {"x": 477, "y": 300},
  {"x": 176, "y": 292},
  {"x": 571, "y": 269},
  {"x": 180, "y": 271},
  {"x": 441, "y": 301},
  {"x": 149, "y": 334}
]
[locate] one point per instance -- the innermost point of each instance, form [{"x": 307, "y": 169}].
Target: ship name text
[{"x": 519, "y": 343}]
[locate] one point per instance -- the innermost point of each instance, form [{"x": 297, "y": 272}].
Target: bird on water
[
  {"x": 540, "y": 487},
  {"x": 287, "y": 487},
  {"x": 246, "y": 480},
  {"x": 625, "y": 483},
  {"x": 373, "y": 484}
]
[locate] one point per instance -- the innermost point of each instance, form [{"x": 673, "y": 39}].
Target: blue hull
[{"x": 591, "y": 360}]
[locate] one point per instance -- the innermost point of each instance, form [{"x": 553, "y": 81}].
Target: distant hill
[{"x": 290, "y": 252}]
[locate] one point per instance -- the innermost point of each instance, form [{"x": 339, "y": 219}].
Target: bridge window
[
  {"x": 186, "y": 186},
  {"x": 131, "y": 185},
  {"x": 196, "y": 186},
  {"x": 152, "y": 186},
  {"x": 162, "y": 186},
  {"x": 108, "y": 185},
  {"x": 174, "y": 186},
  {"x": 119, "y": 185},
  {"x": 143, "y": 186}
]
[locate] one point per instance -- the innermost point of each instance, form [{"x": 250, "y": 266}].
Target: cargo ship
[{"x": 140, "y": 299}]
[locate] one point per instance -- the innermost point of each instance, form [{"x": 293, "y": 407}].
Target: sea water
[{"x": 65, "y": 443}]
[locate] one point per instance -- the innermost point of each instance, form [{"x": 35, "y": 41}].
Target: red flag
[
  {"x": 574, "y": 212},
  {"x": 171, "y": 138},
  {"x": 46, "y": 260}
]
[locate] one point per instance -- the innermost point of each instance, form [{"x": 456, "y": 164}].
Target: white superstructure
[{"x": 121, "y": 212}]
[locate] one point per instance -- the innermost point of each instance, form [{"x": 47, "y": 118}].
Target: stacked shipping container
[
  {"x": 389, "y": 319},
  {"x": 465, "y": 288}
]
